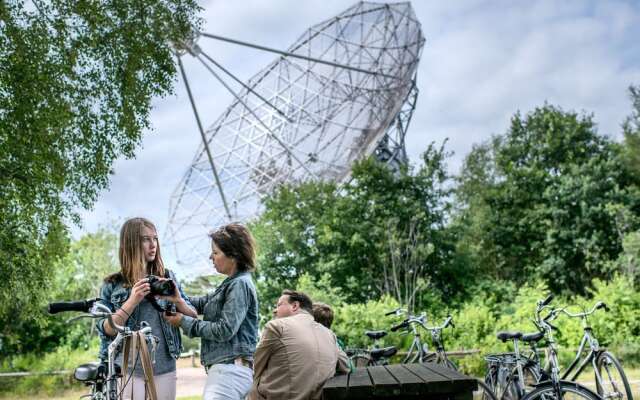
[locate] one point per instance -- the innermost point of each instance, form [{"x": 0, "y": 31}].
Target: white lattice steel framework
[{"x": 344, "y": 90}]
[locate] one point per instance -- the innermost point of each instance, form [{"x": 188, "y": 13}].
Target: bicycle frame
[
  {"x": 580, "y": 363},
  {"x": 92, "y": 309},
  {"x": 416, "y": 346},
  {"x": 591, "y": 357}
]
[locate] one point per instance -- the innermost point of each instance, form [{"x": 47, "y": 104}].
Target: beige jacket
[{"x": 294, "y": 358}]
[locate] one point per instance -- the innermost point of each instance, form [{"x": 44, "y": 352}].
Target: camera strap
[{"x": 154, "y": 303}]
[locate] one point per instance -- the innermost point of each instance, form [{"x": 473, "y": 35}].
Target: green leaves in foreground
[{"x": 76, "y": 82}]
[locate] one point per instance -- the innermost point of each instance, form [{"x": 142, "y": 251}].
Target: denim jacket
[
  {"x": 229, "y": 327},
  {"x": 113, "y": 295}
]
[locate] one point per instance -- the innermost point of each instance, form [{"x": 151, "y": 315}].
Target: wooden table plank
[
  {"x": 336, "y": 388},
  {"x": 360, "y": 385},
  {"x": 410, "y": 384},
  {"x": 384, "y": 384},
  {"x": 460, "y": 381},
  {"x": 400, "y": 381}
]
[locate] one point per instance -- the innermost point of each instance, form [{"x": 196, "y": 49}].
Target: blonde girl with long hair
[{"x": 127, "y": 294}]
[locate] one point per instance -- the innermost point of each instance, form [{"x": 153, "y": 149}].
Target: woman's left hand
[{"x": 174, "y": 320}]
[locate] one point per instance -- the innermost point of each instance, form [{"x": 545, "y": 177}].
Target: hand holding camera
[{"x": 163, "y": 288}]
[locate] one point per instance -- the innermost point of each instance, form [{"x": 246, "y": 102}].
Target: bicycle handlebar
[
  {"x": 90, "y": 307},
  {"x": 412, "y": 319},
  {"x": 547, "y": 300},
  {"x": 401, "y": 325},
  {"x": 61, "y": 306},
  {"x": 593, "y": 309}
]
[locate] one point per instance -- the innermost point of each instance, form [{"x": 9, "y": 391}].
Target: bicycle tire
[
  {"x": 608, "y": 367},
  {"x": 484, "y": 392},
  {"x": 361, "y": 361},
  {"x": 568, "y": 391}
]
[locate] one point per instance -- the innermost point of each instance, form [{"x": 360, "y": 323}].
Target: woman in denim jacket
[
  {"x": 125, "y": 293},
  {"x": 229, "y": 328}
]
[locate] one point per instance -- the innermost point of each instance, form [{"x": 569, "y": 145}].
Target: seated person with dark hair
[
  {"x": 295, "y": 355},
  {"x": 323, "y": 314}
]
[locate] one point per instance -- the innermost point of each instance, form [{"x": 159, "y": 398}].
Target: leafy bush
[
  {"x": 352, "y": 320},
  {"x": 64, "y": 358}
]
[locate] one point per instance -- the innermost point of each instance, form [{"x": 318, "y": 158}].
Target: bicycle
[
  {"x": 102, "y": 377},
  {"x": 374, "y": 356},
  {"x": 439, "y": 357},
  {"x": 554, "y": 388},
  {"x": 510, "y": 375},
  {"x": 610, "y": 384}
]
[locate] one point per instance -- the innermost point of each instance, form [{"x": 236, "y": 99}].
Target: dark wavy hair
[
  {"x": 304, "y": 300},
  {"x": 236, "y": 242}
]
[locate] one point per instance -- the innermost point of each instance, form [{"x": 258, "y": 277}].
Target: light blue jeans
[{"x": 227, "y": 382}]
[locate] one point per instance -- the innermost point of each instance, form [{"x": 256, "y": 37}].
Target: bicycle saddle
[
  {"x": 385, "y": 352},
  {"x": 532, "y": 337},
  {"x": 86, "y": 372},
  {"x": 375, "y": 335},
  {"x": 504, "y": 336}
]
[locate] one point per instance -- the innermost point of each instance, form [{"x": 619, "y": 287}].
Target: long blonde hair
[{"x": 133, "y": 265}]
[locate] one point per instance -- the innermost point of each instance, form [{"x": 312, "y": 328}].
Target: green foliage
[
  {"x": 76, "y": 83},
  {"x": 78, "y": 275},
  {"x": 631, "y": 132},
  {"x": 321, "y": 290},
  {"x": 352, "y": 320},
  {"x": 381, "y": 233},
  {"x": 64, "y": 358},
  {"x": 545, "y": 200}
]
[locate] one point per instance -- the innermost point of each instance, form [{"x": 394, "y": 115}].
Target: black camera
[{"x": 161, "y": 287}]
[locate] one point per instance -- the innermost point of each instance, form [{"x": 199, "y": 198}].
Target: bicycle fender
[{"x": 567, "y": 383}]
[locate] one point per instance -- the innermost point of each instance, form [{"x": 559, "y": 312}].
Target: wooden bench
[{"x": 401, "y": 381}]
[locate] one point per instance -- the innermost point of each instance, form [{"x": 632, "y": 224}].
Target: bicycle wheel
[
  {"x": 491, "y": 379},
  {"x": 361, "y": 361},
  {"x": 484, "y": 392},
  {"x": 514, "y": 389},
  {"x": 531, "y": 377},
  {"x": 614, "y": 384},
  {"x": 568, "y": 391}
]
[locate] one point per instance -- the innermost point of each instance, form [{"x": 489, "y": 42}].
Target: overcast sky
[{"x": 482, "y": 62}]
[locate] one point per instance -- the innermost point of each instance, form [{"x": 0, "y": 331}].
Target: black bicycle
[
  {"x": 511, "y": 375},
  {"x": 375, "y": 355}
]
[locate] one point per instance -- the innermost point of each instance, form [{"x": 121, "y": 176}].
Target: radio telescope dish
[{"x": 343, "y": 91}]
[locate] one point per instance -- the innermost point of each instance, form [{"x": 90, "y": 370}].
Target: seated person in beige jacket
[{"x": 295, "y": 355}]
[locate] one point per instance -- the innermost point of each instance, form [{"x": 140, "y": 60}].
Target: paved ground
[{"x": 190, "y": 380}]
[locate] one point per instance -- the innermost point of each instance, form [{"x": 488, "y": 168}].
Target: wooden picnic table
[{"x": 401, "y": 381}]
